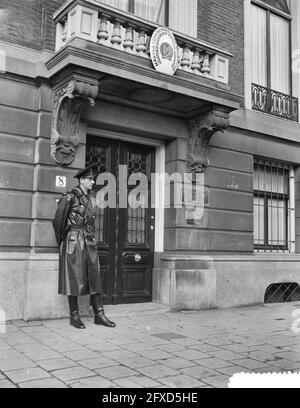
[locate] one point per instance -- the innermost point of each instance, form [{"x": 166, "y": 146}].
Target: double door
[{"x": 124, "y": 231}]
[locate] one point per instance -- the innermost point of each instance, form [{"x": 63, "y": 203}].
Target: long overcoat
[{"x": 74, "y": 226}]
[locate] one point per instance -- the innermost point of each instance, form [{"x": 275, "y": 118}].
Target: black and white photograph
[{"x": 149, "y": 197}]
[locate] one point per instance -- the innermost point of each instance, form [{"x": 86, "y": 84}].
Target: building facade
[{"x": 210, "y": 101}]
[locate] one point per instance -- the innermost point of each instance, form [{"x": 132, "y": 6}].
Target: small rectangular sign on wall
[{"x": 61, "y": 181}]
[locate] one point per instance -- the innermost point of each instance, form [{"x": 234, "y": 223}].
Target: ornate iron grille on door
[{"x": 98, "y": 158}]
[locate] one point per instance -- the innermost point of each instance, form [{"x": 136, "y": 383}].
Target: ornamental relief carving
[
  {"x": 65, "y": 132},
  {"x": 200, "y": 132}
]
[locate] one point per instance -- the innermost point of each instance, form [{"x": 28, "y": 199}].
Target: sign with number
[{"x": 61, "y": 181}]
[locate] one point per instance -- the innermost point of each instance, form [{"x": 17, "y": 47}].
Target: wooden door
[{"x": 125, "y": 235}]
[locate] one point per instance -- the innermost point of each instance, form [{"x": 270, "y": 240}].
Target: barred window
[{"x": 274, "y": 227}]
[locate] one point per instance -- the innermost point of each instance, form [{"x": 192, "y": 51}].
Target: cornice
[{"x": 78, "y": 52}]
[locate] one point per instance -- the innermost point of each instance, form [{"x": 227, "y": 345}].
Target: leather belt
[{"x": 88, "y": 228}]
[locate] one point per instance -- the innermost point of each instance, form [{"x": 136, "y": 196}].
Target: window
[
  {"x": 270, "y": 49},
  {"x": 179, "y": 15},
  {"x": 273, "y": 207},
  {"x": 283, "y": 5}
]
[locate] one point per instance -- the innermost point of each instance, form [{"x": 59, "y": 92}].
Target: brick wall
[
  {"x": 222, "y": 24},
  {"x": 29, "y": 23},
  {"x": 49, "y": 8}
]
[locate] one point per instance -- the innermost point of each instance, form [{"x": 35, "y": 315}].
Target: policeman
[{"x": 79, "y": 269}]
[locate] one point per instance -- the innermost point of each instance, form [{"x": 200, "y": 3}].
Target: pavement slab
[
  {"x": 157, "y": 371},
  {"x": 7, "y": 384},
  {"x": 43, "y": 383},
  {"x": 213, "y": 363},
  {"x": 102, "y": 346},
  {"x": 145, "y": 381},
  {"x": 114, "y": 372},
  {"x": 81, "y": 355},
  {"x": 199, "y": 372},
  {"x": 27, "y": 374},
  {"x": 176, "y": 363},
  {"x": 92, "y": 382},
  {"x": 234, "y": 370},
  {"x": 127, "y": 383},
  {"x": 72, "y": 373},
  {"x": 250, "y": 363},
  {"x": 151, "y": 347},
  {"x": 56, "y": 363},
  {"x": 136, "y": 362},
  {"x": 5, "y": 346},
  {"x": 155, "y": 354},
  {"x": 31, "y": 347},
  {"x": 99, "y": 362},
  {"x": 42, "y": 355},
  {"x": 190, "y": 354},
  {"x": 10, "y": 354},
  {"x": 181, "y": 381},
  {"x": 117, "y": 354},
  {"x": 16, "y": 364},
  {"x": 225, "y": 355},
  {"x": 219, "y": 381}
]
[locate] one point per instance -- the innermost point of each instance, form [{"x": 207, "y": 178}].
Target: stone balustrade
[{"x": 109, "y": 27}]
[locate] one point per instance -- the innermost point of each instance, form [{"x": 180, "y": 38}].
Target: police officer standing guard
[{"x": 79, "y": 268}]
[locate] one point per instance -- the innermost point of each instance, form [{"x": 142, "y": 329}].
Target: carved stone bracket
[
  {"x": 201, "y": 130},
  {"x": 68, "y": 104}
]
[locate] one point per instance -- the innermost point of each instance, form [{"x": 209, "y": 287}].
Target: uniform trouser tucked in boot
[
  {"x": 100, "y": 318},
  {"x": 74, "y": 313}
]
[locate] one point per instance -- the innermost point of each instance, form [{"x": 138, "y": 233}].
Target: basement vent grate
[{"x": 282, "y": 292}]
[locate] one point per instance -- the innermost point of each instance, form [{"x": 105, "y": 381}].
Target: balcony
[
  {"x": 115, "y": 45},
  {"x": 275, "y": 103},
  {"x": 113, "y": 28}
]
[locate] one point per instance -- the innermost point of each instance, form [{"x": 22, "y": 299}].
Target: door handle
[{"x": 137, "y": 257}]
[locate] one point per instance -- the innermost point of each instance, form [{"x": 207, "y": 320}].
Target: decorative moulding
[
  {"x": 201, "y": 130},
  {"x": 69, "y": 101}
]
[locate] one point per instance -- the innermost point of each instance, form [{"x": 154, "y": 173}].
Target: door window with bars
[{"x": 273, "y": 207}]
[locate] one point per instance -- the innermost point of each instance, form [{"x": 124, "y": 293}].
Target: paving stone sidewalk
[{"x": 151, "y": 347}]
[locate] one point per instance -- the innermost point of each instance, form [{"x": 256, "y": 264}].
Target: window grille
[
  {"x": 282, "y": 292},
  {"x": 273, "y": 207}
]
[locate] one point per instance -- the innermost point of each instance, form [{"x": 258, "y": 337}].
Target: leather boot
[
  {"x": 100, "y": 318},
  {"x": 75, "y": 320}
]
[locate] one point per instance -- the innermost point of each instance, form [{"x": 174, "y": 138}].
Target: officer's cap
[{"x": 89, "y": 171}]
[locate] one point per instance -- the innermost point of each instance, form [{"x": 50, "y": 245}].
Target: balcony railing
[
  {"x": 110, "y": 27},
  {"x": 274, "y": 102}
]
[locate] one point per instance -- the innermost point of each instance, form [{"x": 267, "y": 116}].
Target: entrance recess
[{"x": 125, "y": 236}]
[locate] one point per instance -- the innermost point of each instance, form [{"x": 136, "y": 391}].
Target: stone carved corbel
[
  {"x": 201, "y": 130},
  {"x": 68, "y": 104}
]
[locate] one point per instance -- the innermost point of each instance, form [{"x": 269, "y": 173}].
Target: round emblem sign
[{"x": 164, "y": 51}]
